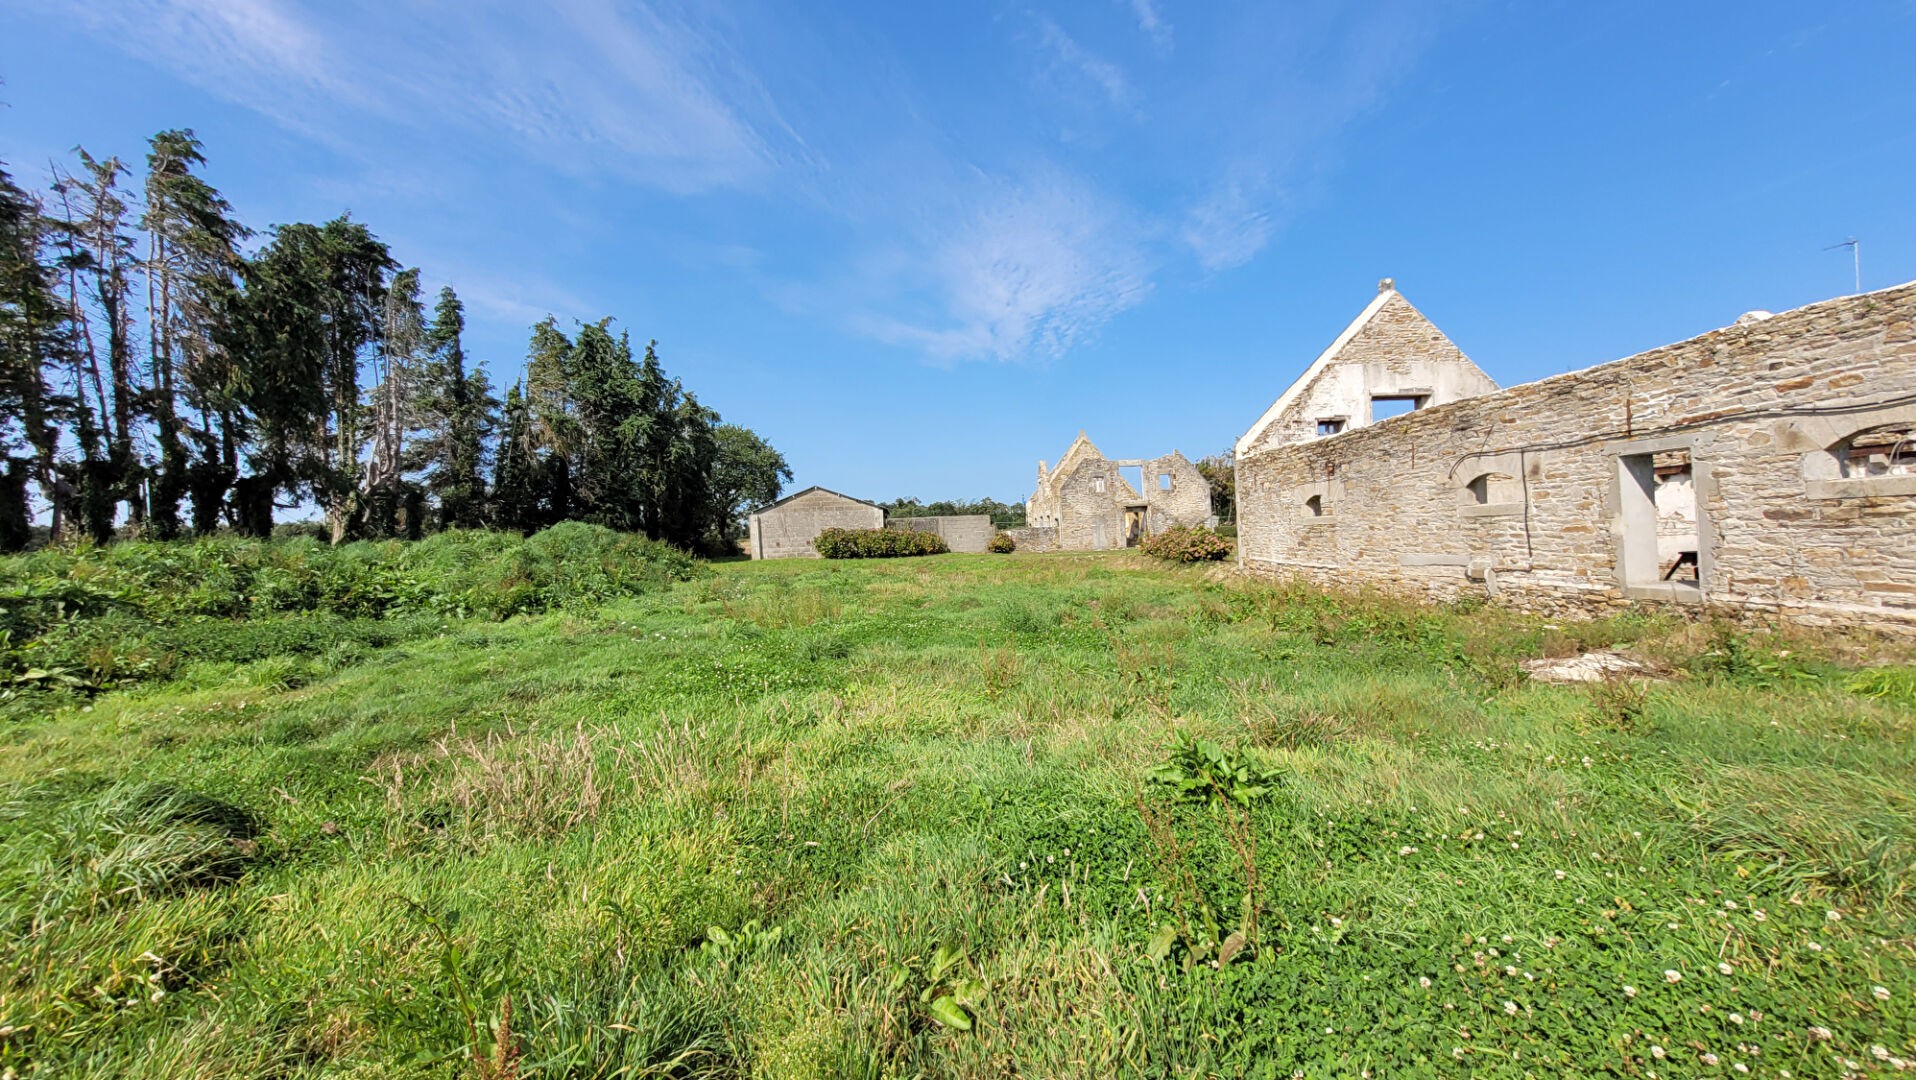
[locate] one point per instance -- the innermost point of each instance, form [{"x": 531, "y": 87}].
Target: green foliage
[
  {"x": 93, "y": 617},
  {"x": 1892, "y": 684},
  {"x": 877, "y": 543},
  {"x": 892, "y": 785},
  {"x": 1204, "y": 771},
  {"x": 1002, "y": 514},
  {"x": 1001, "y": 544},
  {"x": 1187, "y": 543},
  {"x": 946, "y": 995},
  {"x": 1734, "y": 657}
]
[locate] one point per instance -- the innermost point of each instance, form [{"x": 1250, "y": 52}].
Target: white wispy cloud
[
  {"x": 1151, "y": 23},
  {"x": 1227, "y": 227},
  {"x": 1106, "y": 76},
  {"x": 1034, "y": 269},
  {"x": 587, "y": 84}
]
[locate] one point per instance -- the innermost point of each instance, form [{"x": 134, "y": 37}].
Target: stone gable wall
[
  {"x": 1399, "y": 353},
  {"x": 787, "y": 531},
  {"x": 1763, "y": 410}
]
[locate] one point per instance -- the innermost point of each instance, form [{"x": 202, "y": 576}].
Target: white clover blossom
[{"x": 1672, "y": 975}]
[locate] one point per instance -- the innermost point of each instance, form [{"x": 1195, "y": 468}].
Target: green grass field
[{"x": 900, "y": 818}]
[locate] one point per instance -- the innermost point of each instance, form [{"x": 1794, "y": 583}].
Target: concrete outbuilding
[{"x": 786, "y": 529}]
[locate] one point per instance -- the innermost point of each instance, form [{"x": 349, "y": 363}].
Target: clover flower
[{"x": 1672, "y": 975}]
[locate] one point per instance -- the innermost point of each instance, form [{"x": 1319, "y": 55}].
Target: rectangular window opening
[
  {"x": 1134, "y": 476},
  {"x": 1164, "y": 481},
  {"x": 1329, "y": 427},
  {"x": 1383, "y": 408}
]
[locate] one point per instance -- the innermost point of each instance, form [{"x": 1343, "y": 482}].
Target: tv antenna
[{"x": 1856, "y": 257}]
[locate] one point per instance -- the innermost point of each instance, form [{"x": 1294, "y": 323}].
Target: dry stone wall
[{"x": 1544, "y": 495}]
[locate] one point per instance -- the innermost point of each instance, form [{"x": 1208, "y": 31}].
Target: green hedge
[
  {"x": 1187, "y": 543},
  {"x": 877, "y": 543}
]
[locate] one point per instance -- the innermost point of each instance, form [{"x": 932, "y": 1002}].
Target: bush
[
  {"x": 1187, "y": 543},
  {"x": 1002, "y": 544},
  {"x": 93, "y": 617},
  {"x": 877, "y": 543}
]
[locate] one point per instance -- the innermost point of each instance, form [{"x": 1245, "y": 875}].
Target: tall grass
[{"x": 759, "y": 822}]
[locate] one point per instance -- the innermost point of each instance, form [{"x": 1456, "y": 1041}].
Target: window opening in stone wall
[
  {"x": 1164, "y": 481},
  {"x": 1133, "y": 475},
  {"x": 1329, "y": 427},
  {"x": 1495, "y": 488},
  {"x": 1099, "y": 487},
  {"x": 1657, "y": 503},
  {"x": 1314, "y": 506},
  {"x": 1882, "y": 451},
  {"x": 1383, "y": 408}
]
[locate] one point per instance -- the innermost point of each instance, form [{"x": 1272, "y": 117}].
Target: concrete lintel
[
  {"x": 1862, "y": 487},
  {"x": 1675, "y": 592},
  {"x": 1632, "y": 447},
  {"x": 1505, "y": 509}
]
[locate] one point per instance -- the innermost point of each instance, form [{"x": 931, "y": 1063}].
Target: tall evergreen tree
[
  {"x": 460, "y": 414},
  {"x": 553, "y": 416},
  {"x": 516, "y": 499},
  {"x": 313, "y": 307},
  {"x": 389, "y": 505},
  {"x": 32, "y": 338},
  {"x": 96, "y": 255},
  {"x": 191, "y": 262}
]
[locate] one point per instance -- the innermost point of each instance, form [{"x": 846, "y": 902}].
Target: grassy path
[{"x": 905, "y": 788}]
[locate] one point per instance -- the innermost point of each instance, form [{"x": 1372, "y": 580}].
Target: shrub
[
  {"x": 1002, "y": 544},
  {"x": 1187, "y": 543},
  {"x": 877, "y": 543}
]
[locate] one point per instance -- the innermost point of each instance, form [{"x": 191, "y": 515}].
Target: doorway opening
[
  {"x": 1133, "y": 526},
  {"x": 1660, "y": 547}
]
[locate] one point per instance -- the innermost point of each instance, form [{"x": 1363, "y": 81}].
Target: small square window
[
  {"x": 1164, "y": 481},
  {"x": 1329, "y": 427}
]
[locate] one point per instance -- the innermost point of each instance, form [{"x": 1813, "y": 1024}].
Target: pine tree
[
  {"x": 460, "y": 414},
  {"x": 32, "y": 337},
  {"x": 192, "y": 259},
  {"x": 388, "y": 503},
  {"x": 552, "y": 415},
  {"x": 516, "y": 502},
  {"x": 313, "y": 306},
  {"x": 96, "y": 255}
]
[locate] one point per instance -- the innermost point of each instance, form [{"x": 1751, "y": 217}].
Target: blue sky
[{"x": 918, "y": 246}]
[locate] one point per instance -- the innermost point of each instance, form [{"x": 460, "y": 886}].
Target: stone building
[
  {"x": 1765, "y": 467},
  {"x": 1091, "y": 502},
  {"x": 786, "y": 529},
  {"x": 1390, "y": 360}
]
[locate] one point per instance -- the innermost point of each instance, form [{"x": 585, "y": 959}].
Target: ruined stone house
[
  {"x": 786, "y": 528},
  {"x": 1390, "y": 360},
  {"x": 1768, "y": 467},
  {"x": 1090, "y": 502}
]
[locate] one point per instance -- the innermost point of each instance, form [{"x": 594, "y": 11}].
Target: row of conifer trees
[{"x": 161, "y": 374}]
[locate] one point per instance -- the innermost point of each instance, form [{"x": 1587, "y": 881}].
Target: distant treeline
[
  {"x": 1002, "y": 514},
  {"x": 159, "y": 378}
]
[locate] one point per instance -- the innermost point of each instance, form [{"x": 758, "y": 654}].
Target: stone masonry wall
[
  {"x": 968, "y": 533},
  {"x": 1533, "y": 494},
  {"x": 786, "y": 531},
  {"x": 1398, "y": 353}
]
